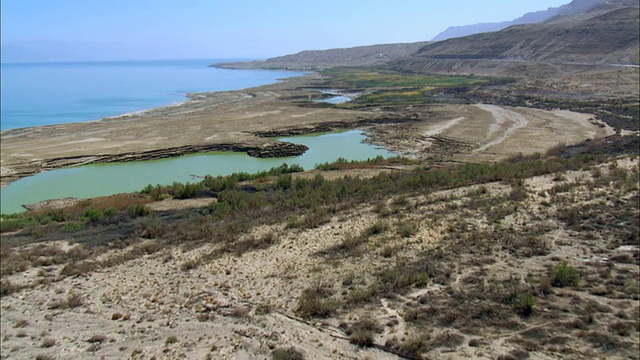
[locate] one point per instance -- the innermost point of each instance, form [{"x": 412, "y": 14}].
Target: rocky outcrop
[{"x": 277, "y": 149}]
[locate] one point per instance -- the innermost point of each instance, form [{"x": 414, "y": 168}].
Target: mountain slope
[
  {"x": 575, "y": 7},
  {"x": 605, "y": 35},
  {"x": 319, "y": 59}
]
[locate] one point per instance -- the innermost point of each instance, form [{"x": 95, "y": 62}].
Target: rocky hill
[
  {"x": 320, "y": 59},
  {"x": 606, "y": 34}
]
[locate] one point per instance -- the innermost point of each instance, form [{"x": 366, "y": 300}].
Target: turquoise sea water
[
  {"x": 53, "y": 93},
  {"x": 105, "y": 179},
  {"x": 35, "y": 94}
]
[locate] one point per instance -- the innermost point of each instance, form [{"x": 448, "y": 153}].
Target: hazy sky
[{"x": 174, "y": 29}]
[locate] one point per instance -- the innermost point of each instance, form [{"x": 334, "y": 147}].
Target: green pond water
[{"x": 107, "y": 179}]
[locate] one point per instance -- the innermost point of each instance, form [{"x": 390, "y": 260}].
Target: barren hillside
[
  {"x": 600, "y": 37},
  {"x": 321, "y": 59}
]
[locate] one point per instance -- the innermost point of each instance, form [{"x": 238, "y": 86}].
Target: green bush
[
  {"x": 137, "y": 210},
  {"x": 8, "y": 224},
  {"x": 186, "y": 191},
  {"x": 524, "y": 304},
  {"x": 93, "y": 214},
  {"x": 284, "y": 182},
  {"x": 110, "y": 211},
  {"x": 74, "y": 225},
  {"x": 563, "y": 274},
  {"x": 171, "y": 340}
]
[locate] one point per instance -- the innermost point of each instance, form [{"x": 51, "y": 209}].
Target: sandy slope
[{"x": 216, "y": 310}]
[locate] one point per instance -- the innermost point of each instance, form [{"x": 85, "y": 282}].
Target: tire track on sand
[{"x": 506, "y": 122}]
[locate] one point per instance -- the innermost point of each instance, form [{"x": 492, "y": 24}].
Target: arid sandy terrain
[
  {"x": 167, "y": 302},
  {"x": 464, "y": 271}
]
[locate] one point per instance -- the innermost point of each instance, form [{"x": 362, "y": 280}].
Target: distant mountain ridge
[
  {"x": 605, "y": 34},
  {"x": 583, "y": 32},
  {"x": 320, "y": 59},
  {"x": 575, "y": 7}
]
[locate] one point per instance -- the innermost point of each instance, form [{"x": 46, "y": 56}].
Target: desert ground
[
  {"x": 539, "y": 266},
  {"x": 179, "y": 301}
]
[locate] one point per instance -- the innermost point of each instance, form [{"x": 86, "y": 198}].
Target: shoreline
[
  {"x": 15, "y": 164},
  {"x": 247, "y": 119},
  {"x": 187, "y": 97}
]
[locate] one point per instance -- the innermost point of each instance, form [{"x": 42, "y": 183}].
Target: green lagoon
[{"x": 107, "y": 179}]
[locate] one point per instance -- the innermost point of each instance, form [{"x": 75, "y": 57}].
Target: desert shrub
[
  {"x": 111, "y": 211},
  {"x": 362, "y": 337},
  {"x": 152, "y": 228},
  {"x": 545, "y": 287},
  {"x": 137, "y": 210},
  {"x": 315, "y": 302},
  {"x": 186, "y": 191},
  {"x": 48, "y": 342},
  {"x": 400, "y": 277},
  {"x": 240, "y": 312},
  {"x": 171, "y": 340},
  {"x": 448, "y": 339},
  {"x": 74, "y": 225},
  {"x": 6, "y": 287},
  {"x": 362, "y": 332},
  {"x": 284, "y": 182},
  {"x": 190, "y": 264},
  {"x": 563, "y": 274},
  {"x": 17, "y": 222},
  {"x": 602, "y": 339},
  {"x": 622, "y": 328},
  {"x": 97, "y": 339},
  {"x": 361, "y": 295},
  {"x": 406, "y": 229},
  {"x": 252, "y": 243},
  {"x": 524, "y": 304},
  {"x": 73, "y": 300},
  {"x": 76, "y": 268},
  {"x": 287, "y": 354},
  {"x": 264, "y": 308},
  {"x": 93, "y": 214},
  {"x": 352, "y": 243},
  {"x": 414, "y": 346}
]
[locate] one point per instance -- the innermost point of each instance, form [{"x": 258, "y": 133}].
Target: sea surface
[{"x": 35, "y": 94}]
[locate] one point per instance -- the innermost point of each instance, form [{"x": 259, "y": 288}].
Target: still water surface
[
  {"x": 106, "y": 179},
  {"x": 35, "y": 94}
]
